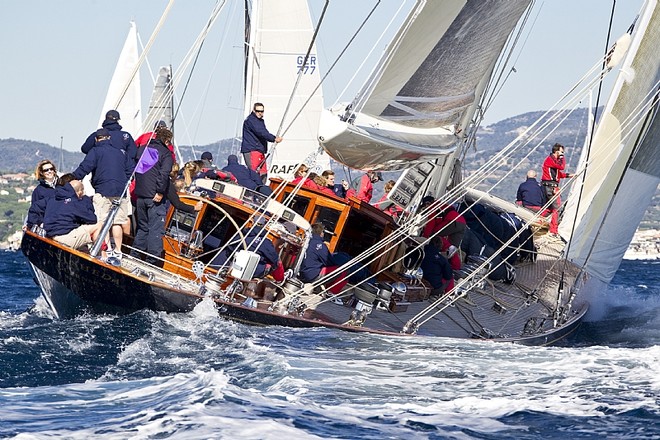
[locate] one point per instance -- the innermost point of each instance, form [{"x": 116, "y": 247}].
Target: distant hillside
[
  {"x": 570, "y": 133},
  {"x": 22, "y": 155}
]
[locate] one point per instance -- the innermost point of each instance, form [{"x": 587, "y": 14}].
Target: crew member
[
  {"x": 255, "y": 141},
  {"x": 553, "y": 172}
]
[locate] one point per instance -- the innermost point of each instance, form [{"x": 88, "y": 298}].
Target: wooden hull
[{"x": 99, "y": 285}]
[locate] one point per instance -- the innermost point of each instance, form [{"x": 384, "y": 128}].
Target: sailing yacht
[{"x": 417, "y": 113}]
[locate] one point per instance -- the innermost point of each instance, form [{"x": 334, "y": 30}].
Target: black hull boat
[
  {"x": 418, "y": 114},
  {"x": 104, "y": 288},
  {"x": 74, "y": 281}
]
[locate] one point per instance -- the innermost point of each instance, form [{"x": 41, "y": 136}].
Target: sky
[{"x": 58, "y": 58}]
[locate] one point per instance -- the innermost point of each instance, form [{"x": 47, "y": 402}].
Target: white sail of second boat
[
  {"x": 623, "y": 170},
  {"x": 124, "y": 90}
]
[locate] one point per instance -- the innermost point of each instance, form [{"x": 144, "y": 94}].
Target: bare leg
[{"x": 118, "y": 235}]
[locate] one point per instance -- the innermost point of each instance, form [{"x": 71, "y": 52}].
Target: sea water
[{"x": 196, "y": 376}]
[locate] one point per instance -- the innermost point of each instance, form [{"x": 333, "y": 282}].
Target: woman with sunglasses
[{"x": 46, "y": 174}]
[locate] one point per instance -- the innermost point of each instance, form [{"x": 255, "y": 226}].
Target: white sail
[
  {"x": 422, "y": 96},
  {"x": 124, "y": 92},
  {"x": 280, "y": 35},
  {"x": 623, "y": 169}
]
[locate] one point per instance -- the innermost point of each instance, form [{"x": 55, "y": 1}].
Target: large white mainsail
[
  {"x": 124, "y": 90},
  {"x": 423, "y": 94},
  {"x": 280, "y": 35},
  {"x": 623, "y": 169}
]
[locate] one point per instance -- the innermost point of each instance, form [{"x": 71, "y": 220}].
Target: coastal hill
[{"x": 21, "y": 156}]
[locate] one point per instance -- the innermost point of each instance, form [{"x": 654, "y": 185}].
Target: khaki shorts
[
  {"x": 77, "y": 238},
  {"x": 102, "y": 207}
]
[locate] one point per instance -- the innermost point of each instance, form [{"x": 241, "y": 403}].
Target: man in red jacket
[
  {"x": 363, "y": 187},
  {"x": 553, "y": 172}
]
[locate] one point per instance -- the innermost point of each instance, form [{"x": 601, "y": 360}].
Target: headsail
[
  {"x": 624, "y": 165},
  {"x": 425, "y": 89},
  {"x": 160, "y": 106},
  {"x": 124, "y": 92},
  {"x": 280, "y": 35}
]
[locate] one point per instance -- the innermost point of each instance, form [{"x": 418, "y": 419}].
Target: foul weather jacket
[
  {"x": 110, "y": 167},
  {"x": 553, "y": 169},
  {"x": 256, "y": 241},
  {"x": 530, "y": 193},
  {"x": 152, "y": 173},
  {"x": 120, "y": 139},
  {"x": 244, "y": 176},
  {"x": 435, "y": 267},
  {"x": 255, "y": 135},
  {"x": 43, "y": 192},
  {"x": 316, "y": 258},
  {"x": 65, "y": 212}
]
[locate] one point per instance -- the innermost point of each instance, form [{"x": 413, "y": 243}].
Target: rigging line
[
  {"x": 493, "y": 162},
  {"x": 591, "y": 138},
  {"x": 144, "y": 53},
  {"x": 382, "y": 35},
  {"x": 511, "y": 147},
  {"x": 333, "y": 65},
  {"x": 176, "y": 79},
  {"x": 192, "y": 69},
  {"x": 651, "y": 114},
  {"x": 195, "y": 49},
  {"x": 508, "y": 57}
]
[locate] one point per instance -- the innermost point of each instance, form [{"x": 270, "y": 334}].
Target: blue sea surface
[{"x": 196, "y": 376}]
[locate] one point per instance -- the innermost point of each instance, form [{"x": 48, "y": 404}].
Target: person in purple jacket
[
  {"x": 152, "y": 178},
  {"x": 255, "y": 141}
]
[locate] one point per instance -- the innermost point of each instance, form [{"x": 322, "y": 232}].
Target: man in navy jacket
[
  {"x": 317, "y": 257},
  {"x": 255, "y": 141},
  {"x": 256, "y": 241},
  {"x": 530, "y": 194},
  {"x": 119, "y": 138},
  {"x": 69, "y": 218},
  {"x": 111, "y": 168},
  {"x": 436, "y": 268}
]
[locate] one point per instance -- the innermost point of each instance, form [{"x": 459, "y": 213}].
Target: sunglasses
[
  {"x": 259, "y": 111},
  {"x": 45, "y": 170}
]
